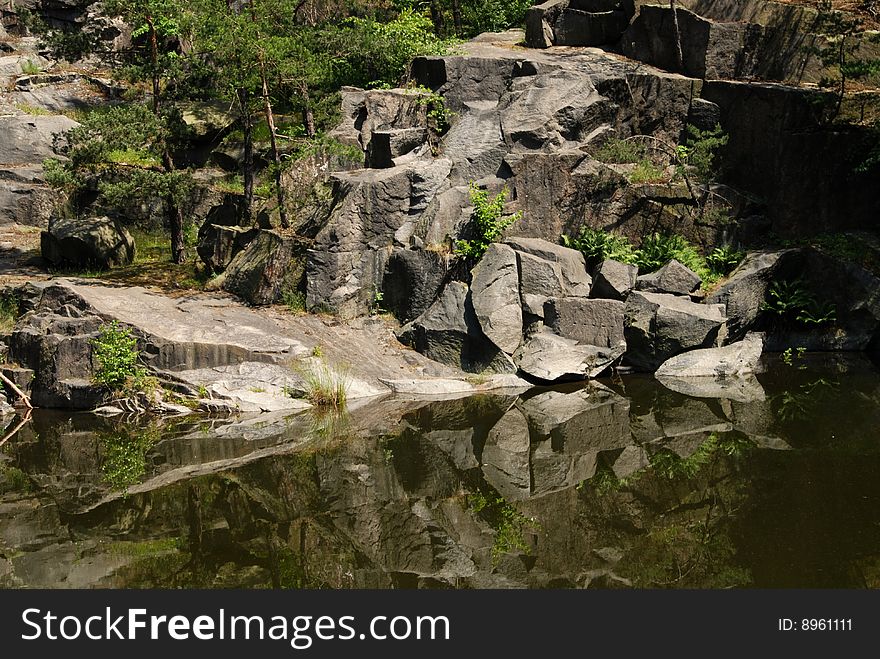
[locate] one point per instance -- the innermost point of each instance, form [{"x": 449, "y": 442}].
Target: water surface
[{"x": 619, "y": 484}]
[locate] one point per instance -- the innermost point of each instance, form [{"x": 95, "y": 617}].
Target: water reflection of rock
[{"x": 591, "y": 486}]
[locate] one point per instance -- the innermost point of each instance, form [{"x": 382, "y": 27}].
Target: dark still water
[{"x": 621, "y": 484}]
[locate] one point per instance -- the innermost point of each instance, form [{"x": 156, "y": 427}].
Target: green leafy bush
[
  {"x": 116, "y": 352},
  {"x": 620, "y": 151},
  {"x": 724, "y": 260},
  {"x": 790, "y": 301},
  {"x": 646, "y": 171},
  {"x": 659, "y": 249},
  {"x": 488, "y": 222},
  {"x": 597, "y": 246},
  {"x": 700, "y": 151}
]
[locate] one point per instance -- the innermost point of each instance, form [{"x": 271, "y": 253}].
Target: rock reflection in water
[{"x": 615, "y": 485}]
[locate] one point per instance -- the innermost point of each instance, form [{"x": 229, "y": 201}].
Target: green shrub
[
  {"x": 325, "y": 387},
  {"x": 8, "y": 313},
  {"x": 620, "y": 151},
  {"x": 294, "y": 300},
  {"x": 117, "y": 355},
  {"x": 659, "y": 249},
  {"x": 700, "y": 151},
  {"x": 597, "y": 246},
  {"x": 488, "y": 222},
  {"x": 646, "y": 171},
  {"x": 790, "y": 301},
  {"x": 724, "y": 260}
]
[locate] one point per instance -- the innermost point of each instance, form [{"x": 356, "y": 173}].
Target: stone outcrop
[
  {"x": 268, "y": 266},
  {"x": 219, "y": 245},
  {"x": 496, "y": 297},
  {"x": 660, "y": 326},
  {"x": 449, "y": 332},
  {"x": 577, "y": 22},
  {"x": 96, "y": 242},
  {"x": 737, "y": 359},
  {"x": 548, "y": 357},
  {"x": 614, "y": 280},
  {"x": 673, "y": 278}
]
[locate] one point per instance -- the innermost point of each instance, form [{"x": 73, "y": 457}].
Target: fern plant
[{"x": 597, "y": 246}]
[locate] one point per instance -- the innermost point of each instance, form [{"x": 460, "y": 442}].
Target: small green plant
[
  {"x": 30, "y": 68},
  {"x": 377, "y": 301},
  {"x": 790, "y": 301},
  {"x": 700, "y": 151},
  {"x": 439, "y": 116},
  {"x": 294, "y": 300},
  {"x": 125, "y": 456},
  {"x": 488, "y": 222},
  {"x": 646, "y": 171},
  {"x": 116, "y": 352},
  {"x": 724, "y": 260},
  {"x": 325, "y": 387},
  {"x": 597, "y": 246},
  {"x": 508, "y": 523},
  {"x": 659, "y": 249},
  {"x": 8, "y": 313},
  {"x": 318, "y": 351},
  {"x": 620, "y": 151}
]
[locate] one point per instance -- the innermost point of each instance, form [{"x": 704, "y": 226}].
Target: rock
[
  {"x": 268, "y": 266},
  {"x": 660, "y": 326},
  {"x": 506, "y": 456},
  {"x": 449, "y": 332},
  {"x": 495, "y": 295},
  {"x": 54, "y": 342},
  {"x": 710, "y": 49},
  {"x": 576, "y": 282},
  {"x": 218, "y": 244},
  {"x": 745, "y": 291},
  {"x": 582, "y": 28},
  {"x": 25, "y": 198},
  {"x": 31, "y": 139},
  {"x": 703, "y": 114},
  {"x": 386, "y": 145},
  {"x": 577, "y": 22},
  {"x": 613, "y": 280},
  {"x": 21, "y": 377},
  {"x": 96, "y": 242},
  {"x": 442, "y": 387},
  {"x": 412, "y": 280},
  {"x": 736, "y": 359},
  {"x": 630, "y": 460},
  {"x": 673, "y": 278},
  {"x": 742, "y": 389},
  {"x": 551, "y": 358},
  {"x": 587, "y": 321}
]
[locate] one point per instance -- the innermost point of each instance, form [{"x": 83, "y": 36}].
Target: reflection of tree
[
  {"x": 684, "y": 513},
  {"x": 125, "y": 455}
]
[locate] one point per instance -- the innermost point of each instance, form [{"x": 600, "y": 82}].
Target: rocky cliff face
[{"x": 530, "y": 121}]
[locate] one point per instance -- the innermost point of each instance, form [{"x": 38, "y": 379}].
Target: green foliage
[
  {"x": 125, "y": 456},
  {"x": 116, "y": 352},
  {"x": 488, "y": 222},
  {"x": 508, "y": 523},
  {"x": 326, "y": 387},
  {"x": 597, "y": 246},
  {"x": 620, "y": 151},
  {"x": 439, "y": 116},
  {"x": 294, "y": 300},
  {"x": 646, "y": 171},
  {"x": 8, "y": 313},
  {"x": 13, "y": 479},
  {"x": 700, "y": 151},
  {"x": 659, "y": 249},
  {"x": 791, "y": 301},
  {"x": 724, "y": 260}
]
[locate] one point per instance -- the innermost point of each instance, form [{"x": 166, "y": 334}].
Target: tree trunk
[
  {"x": 308, "y": 114},
  {"x": 270, "y": 119},
  {"x": 175, "y": 216},
  {"x": 154, "y": 61},
  {"x": 679, "y": 56},
  {"x": 456, "y": 16},
  {"x": 248, "y": 165},
  {"x": 437, "y": 17}
]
